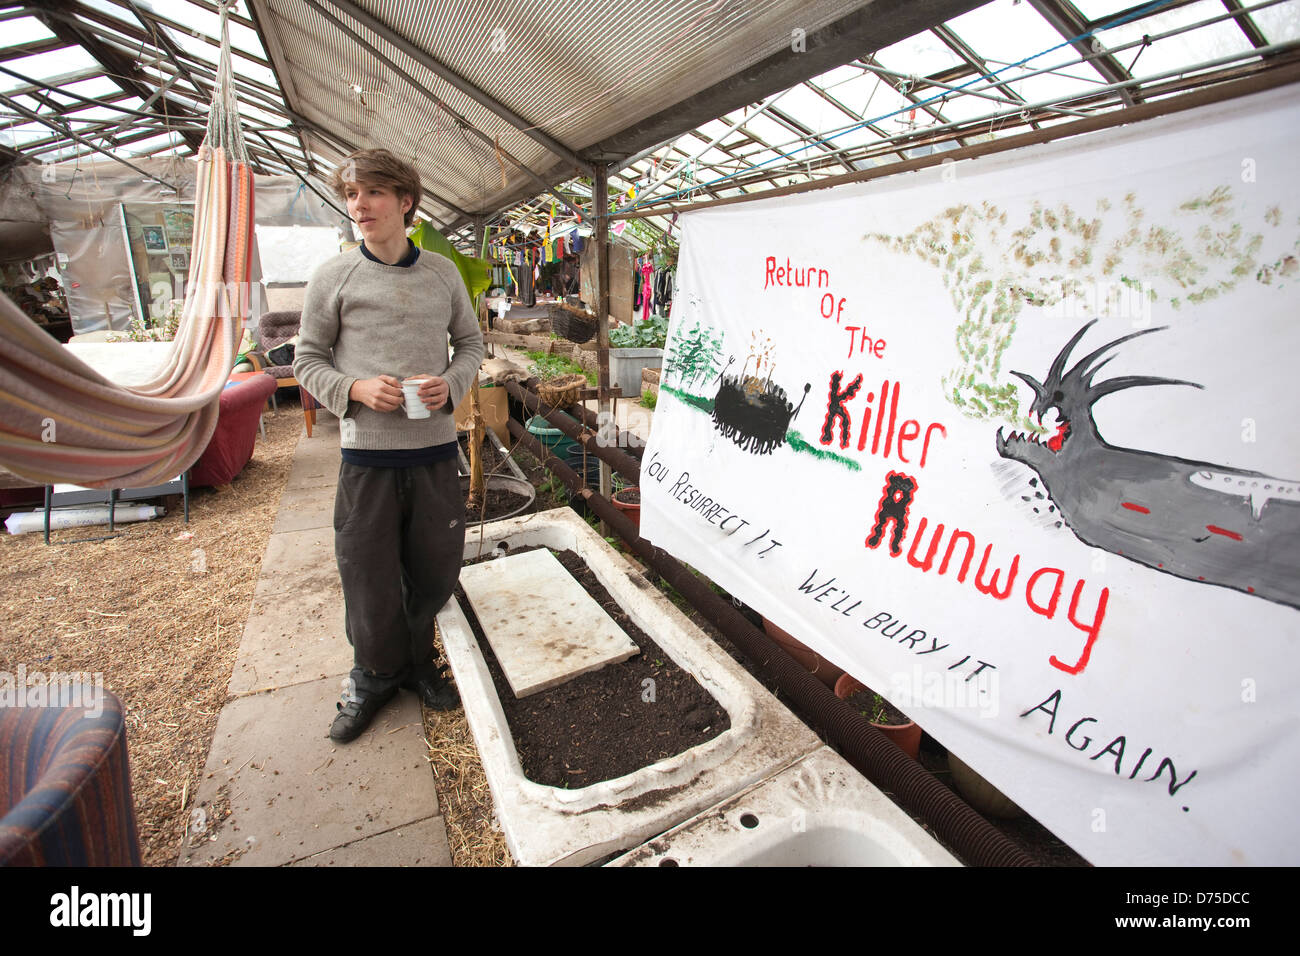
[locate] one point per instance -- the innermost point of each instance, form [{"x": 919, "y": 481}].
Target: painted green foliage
[
  {"x": 1074, "y": 266},
  {"x": 693, "y": 357}
]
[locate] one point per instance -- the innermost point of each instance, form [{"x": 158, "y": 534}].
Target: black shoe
[
  {"x": 434, "y": 691},
  {"x": 356, "y": 713}
]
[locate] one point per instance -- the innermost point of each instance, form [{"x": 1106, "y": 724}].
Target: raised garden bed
[
  {"x": 548, "y": 825},
  {"x": 600, "y": 725}
]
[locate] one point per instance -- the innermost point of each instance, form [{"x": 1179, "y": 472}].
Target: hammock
[{"x": 60, "y": 420}]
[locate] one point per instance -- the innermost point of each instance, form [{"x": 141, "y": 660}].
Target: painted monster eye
[{"x": 1058, "y": 395}]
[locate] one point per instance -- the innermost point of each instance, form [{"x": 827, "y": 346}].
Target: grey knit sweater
[{"x": 378, "y": 319}]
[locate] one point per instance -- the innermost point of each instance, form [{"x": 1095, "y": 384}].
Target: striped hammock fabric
[{"x": 60, "y": 420}]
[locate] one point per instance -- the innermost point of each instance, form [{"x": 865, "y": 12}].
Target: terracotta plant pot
[
  {"x": 907, "y": 737},
  {"x": 824, "y": 670},
  {"x": 630, "y": 511}
]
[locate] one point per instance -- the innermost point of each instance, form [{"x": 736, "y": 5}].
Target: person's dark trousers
[{"x": 399, "y": 537}]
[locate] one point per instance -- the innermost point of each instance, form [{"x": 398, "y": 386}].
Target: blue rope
[{"x": 1133, "y": 15}]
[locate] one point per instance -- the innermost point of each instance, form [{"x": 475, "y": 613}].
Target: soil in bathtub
[
  {"x": 497, "y": 503},
  {"x": 610, "y": 722}
]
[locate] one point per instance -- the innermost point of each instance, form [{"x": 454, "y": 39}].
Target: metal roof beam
[
  {"x": 53, "y": 124},
  {"x": 125, "y": 141},
  {"x": 1104, "y": 97},
  {"x": 215, "y": 42},
  {"x": 284, "y": 77},
  {"x": 1246, "y": 24},
  {"x": 126, "y": 29},
  {"x": 1127, "y": 12},
  {"x": 129, "y": 35},
  {"x": 33, "y": 48},
  {"x": 462, "y": 123},
  {"x": 834, "y": 101},
  {"x": 170, "y": 49},
  {"x": 875, "y": 25},
  {"x": 61, "y": 20},
  {"x": 378, "y": 27},
  {"x": 247, "y": 91},
  {"x": 94, "y": 72},
  {"x": 1067, "y": 21},
  {"x": 343, "y": 148},
  {"x": 763, "y": 107},
  {"x": 973, "y": 60},
  {"x": 802, "y": 129}
]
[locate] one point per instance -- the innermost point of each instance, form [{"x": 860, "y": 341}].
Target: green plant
[
  {"x": 650, "y": 334},
  {"x": 694, "y": 357},
  {"x": 877, "y": 711},
  {"x": 156, "y": 330},
  {"x": 553, "y": 487},
  {"x": 649, "y": 400},
  {"x": 547, "y": 367}
]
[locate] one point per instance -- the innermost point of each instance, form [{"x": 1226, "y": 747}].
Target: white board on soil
[{"x": 543, "y": 627}]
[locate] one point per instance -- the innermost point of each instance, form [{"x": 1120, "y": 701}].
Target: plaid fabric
[
  {"x": 65, "y": 788},
  {"x": 276, "y": 328}
]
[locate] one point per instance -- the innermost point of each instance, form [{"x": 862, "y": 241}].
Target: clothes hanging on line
[
  {"x": 653, "y": 292},
  {"x": 647, "y": 289}
]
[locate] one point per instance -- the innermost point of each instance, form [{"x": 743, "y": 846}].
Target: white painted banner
[{"x": 1015, "y": 442}]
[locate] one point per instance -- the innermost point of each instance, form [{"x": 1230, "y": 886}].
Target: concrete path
[{"x": 294, "y": 797}]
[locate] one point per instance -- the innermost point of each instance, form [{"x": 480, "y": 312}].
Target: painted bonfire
[{"x": 753, "y": 412}]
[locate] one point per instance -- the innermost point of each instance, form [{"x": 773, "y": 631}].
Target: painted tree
[
  {"x": 1110, "y": 262},
  {"x": 694, "y": 357}
]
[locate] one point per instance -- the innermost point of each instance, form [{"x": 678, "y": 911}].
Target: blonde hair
[{"x": 378, "y": 167}]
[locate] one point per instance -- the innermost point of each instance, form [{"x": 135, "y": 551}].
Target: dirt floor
[
  {"x": 159, "y": 611},
  {"x": 464, "y": 800}
]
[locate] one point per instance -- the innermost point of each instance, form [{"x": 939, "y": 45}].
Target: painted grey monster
[{"x": 1206, "y": 523}]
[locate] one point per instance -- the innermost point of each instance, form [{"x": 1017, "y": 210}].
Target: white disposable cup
[{"x": 411, "y": 390}]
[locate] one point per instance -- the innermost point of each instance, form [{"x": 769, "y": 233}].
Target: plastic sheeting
[{"x": 81, "y": 204}]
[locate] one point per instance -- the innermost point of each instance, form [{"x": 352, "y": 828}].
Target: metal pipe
[
  {"x": 862, "y": 745},
  {"x": 301, "y": 178},
  {"x": 621, "y": 438},
  {"x": 85, "y": 142},
  {"x": 620, "y": 461},
  {"x": 1055, "y": 105}
]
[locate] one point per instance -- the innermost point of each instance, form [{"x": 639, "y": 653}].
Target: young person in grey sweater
[{"x": 373, "y": 316}]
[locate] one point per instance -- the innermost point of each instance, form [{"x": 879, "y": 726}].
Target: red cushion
[{"x": 232, "y": 443}]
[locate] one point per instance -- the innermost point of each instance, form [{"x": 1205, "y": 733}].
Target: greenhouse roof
[{"x": 509, "y": 109}]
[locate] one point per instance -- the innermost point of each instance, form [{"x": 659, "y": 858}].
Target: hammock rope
[{"x": 61, "y": 421}]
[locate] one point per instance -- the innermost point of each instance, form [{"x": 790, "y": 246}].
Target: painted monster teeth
[{"x": 1211, "y": 525}]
